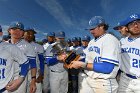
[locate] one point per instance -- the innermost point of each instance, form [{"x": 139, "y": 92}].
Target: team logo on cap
[
  {"x": 18, "y": 24},
  {"x": 134, "y": 16}
]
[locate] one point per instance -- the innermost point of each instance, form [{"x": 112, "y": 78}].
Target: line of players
[{"x": 23, "y": 69}]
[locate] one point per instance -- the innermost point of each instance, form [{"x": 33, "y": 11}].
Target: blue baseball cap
[
  {"x": 5, "y": 37},
  {"x": 79, "y": 38},
  {"x": 18, "y": 25},
  {"x": 30, "y": 29},
  {"x": 95, "y": 21},
  {"x": 86, "y": 38},
  {"x": 60, "y": 34},
  {"x": 68, "y": 40},
  {"x": 51, "y": 34},
  {"x": 44, "y": 40},
  {"x": 122, "y": 23},
  {"x": 132, "y": 18},
  {"x": 0, "y": 28},
  {"x": 74, "y": 39}
]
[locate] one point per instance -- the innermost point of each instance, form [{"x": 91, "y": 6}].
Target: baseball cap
[
  {"x": 131, "y": 18},
  {"x": 0, "y": 28},
  {"x": 60, "y": 34},
  {"x": 86, "y": 38},
  {"x": 95, "y": 21},
  {"x": 79, "y": 38},
  {"x": 68, "y": 40},
  {"x": 51, "y": 34},
  {"x": 18, "y": 25},
  {"x": 4, "y": 37},
  {"x": 30, "y": 29},
  {"x": 44, "y": 40},
  {"x": 74, "y": 39},
  {"x": 122, "y": 23}
]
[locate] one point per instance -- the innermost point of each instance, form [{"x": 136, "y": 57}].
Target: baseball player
[
  {"x": 58, "y": 74},
  {"x": 122, "y": 29},
  {"x": 74, "y": 72},
  {"x": 102, "y": 59},
  {"x": 81, "y": 78},
  {"x": 48, "y": 54},
  {"x": 9, "y": 55},
  {"x": 29, "y": 36},
  {"x": 16, "y": 30},
  {"x": 129, "y": 80}
]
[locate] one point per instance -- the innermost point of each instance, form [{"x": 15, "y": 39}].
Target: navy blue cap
[
  {"x": 68, "y": 40},
  {"x": 60, "y": 34},
  {"x": 79, "y": 38},
  {"x": 30, "y": 29},
  {"x": 51, "y": 34},
  {"x": 44, "y": 40},
  {"x": 0, "y": 28},
  {"x": 86, "y": 38},
  {"x": 95, "y": 21},
  {"x": 4, "y": 37},
  {"x": 122, "y": 23},
  {"x": 132, "y": 18},
  {"x": 74, "y": 39},
  {"x": 18, "y": 25}
]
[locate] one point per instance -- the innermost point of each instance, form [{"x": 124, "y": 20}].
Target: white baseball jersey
[
  {"x": 28, "y": 50},
  {"x": 105, "y": 48},
  {"x": 130, "y": 56},
  {"x": 9, "y": 55}
]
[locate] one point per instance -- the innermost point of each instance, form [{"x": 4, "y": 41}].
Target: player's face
[
  {"x": 29, "y": 36},
  {"x": 16, "y": 33},
  {"x": 51, "y": 38},
  {"x": 134, "y": 28},
  {"x": 123, "y": 30},
  {"x": 85, "y": 43},
  {"x": 97, "y": 32}
]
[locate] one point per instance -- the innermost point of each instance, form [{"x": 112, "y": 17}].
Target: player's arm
[
  {"x": 23, "y": 62},
  {"x": 103, "y": 67}
]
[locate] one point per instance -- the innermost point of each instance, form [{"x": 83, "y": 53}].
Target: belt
[
  {"x": 2, "y": 90},
  {"x": 56, "y": 71},
  {"x": 131, "y": 76}
]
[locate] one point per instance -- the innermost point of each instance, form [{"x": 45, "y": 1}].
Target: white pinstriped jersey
[
  {"x": 105, "y": 48},
  {"x": 9, "y": 55},
  {"x": 130, "y": 54}
]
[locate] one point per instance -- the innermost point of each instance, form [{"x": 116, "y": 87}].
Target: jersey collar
[{"x": 100, "y": 37}]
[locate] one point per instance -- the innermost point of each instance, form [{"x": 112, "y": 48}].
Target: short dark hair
[{"x": 106, "y": 26}]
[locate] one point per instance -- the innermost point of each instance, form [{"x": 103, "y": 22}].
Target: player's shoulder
[{"x": 111, "y": 37}]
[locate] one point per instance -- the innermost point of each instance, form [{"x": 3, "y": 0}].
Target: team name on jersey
[
  {"x": 95, "y": 49},
  {"x": 2, "y": 70},
  {"x": 131, "y": 50}
]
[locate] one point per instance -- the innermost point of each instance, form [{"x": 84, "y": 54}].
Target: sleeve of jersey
[
  {"x": 103, "y": 67},
  {"x": 41, "y": 59},
  {"x": 32, "y": 62},
  {"x": 24, "y": 69},
  {"x": 20, "y": 58},
  {"x": 111, "y": 51},
  {"x": 51, "y": 60}
]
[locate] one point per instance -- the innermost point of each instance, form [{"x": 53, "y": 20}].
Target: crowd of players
[{"x": 105, "y": 65}]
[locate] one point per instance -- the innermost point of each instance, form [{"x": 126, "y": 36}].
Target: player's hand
[
  {"x": 33, "y": 86},
  {"x": 62, "y": 57},
  {"x": 39, "y": 78},
  {"x": 14, "y": 85},
  {"x": 76, "y": 64}
]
